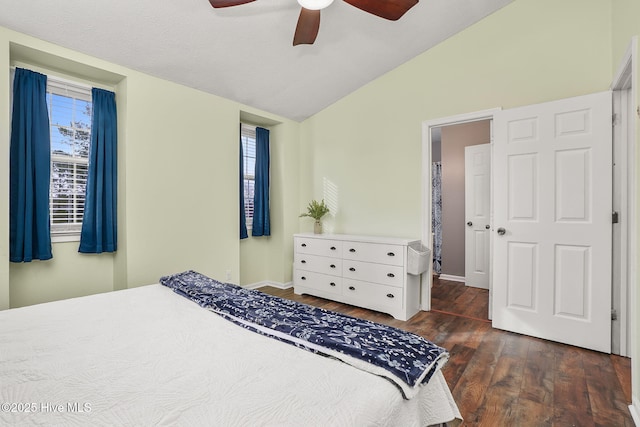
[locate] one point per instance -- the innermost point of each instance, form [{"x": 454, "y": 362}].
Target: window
[
  {"x": 248, "y": 137},
  {"x": 69, "y": 108}
]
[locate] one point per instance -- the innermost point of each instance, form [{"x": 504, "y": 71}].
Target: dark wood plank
[
  {"x": 471, "y": 390},
  {"x": 458, "y": 361},
  {"x": 530, "y": 413},
  {"x": 455, "y": 297},
  {"x": 570, "y": 388},
  {"x": 607, "y": 399},
  {"x": 539, "y": 373},
  {"x": 622, "y": 366},
  {"x": 454, "y": 330},
  {"x": 502, "y": 394}
]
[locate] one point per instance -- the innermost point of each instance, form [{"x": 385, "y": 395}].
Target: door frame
[
  {"x": 427, "y": 229},
  {"x": 625, "y": 103}
]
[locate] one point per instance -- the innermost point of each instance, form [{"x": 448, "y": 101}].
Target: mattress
[{"x": 146, "y": 356}]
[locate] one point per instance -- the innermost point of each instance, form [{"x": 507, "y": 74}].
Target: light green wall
[
  {"x": 178, "y": 205},
  {"x": 180, "y": 154},
  {"x": 69, "y": 274},
  {"x": 367, "y": 146},
  {"x": 120, "y": 257},
  {"x": 626, "y": 24},
  {"x": 288, "y": 174},
  {"x": 270, "y": 258},
  {"x": 4, "y": 177}
]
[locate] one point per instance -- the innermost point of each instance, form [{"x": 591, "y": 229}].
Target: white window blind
[
  {"x": 248, "y": 138},
  {"x": 69, "y": 106}
]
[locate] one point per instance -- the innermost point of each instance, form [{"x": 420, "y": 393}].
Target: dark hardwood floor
[
  {"x": 501, "y": 378},
  {"x": 456, "y": 298}
]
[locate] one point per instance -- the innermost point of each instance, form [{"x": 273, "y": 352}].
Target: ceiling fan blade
[
  {"x": 388, "y": 9},
  {"x": 227, "y": 3},
  {"x": 307, "y": 28}
]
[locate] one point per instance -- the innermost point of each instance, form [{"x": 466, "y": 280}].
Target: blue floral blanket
[{"x": 406, "y": 359}]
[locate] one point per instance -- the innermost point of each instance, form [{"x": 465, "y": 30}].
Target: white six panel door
[
  {"x": 552, "y": 206},
  {"x": 477, "y": 206}
]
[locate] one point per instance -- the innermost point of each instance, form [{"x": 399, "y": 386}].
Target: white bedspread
[{"x": 146, "y": 356}]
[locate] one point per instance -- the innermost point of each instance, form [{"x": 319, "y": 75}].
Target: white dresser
[{"x": 364, "y": 271}]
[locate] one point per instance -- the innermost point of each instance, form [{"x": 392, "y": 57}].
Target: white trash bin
[{"x": 419, "y": 260}]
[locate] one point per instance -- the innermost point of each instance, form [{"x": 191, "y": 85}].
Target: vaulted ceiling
[{"x": 245, "y": 53}]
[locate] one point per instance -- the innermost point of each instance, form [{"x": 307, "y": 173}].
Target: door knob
[
  {"x": 501, "y": 231},
  {"x": 469, "y": 223},
  {"x": 487, "y": 226}
]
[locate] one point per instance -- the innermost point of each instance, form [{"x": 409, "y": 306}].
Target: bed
[{"x": 148, "y": 356}]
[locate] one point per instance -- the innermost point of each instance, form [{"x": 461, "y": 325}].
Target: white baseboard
[
  {"x": 452, "y": 278},
  {"x": 269, "y": 283},
  {"x": 634, "y": 408}
]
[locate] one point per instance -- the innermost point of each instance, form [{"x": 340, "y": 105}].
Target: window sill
[{"x": 65, "y": 237}]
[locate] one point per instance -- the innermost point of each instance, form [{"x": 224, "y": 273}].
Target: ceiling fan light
[{"x": 314, "y": 4}]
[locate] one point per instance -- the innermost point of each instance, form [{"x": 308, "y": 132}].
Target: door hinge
[
  {"x": 614, "y": 119},
  {"x": 614, "y": 314},
  {"x": 615, "y": 217}
]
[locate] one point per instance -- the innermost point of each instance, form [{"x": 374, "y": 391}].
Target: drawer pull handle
[
  {"x": 390, "y": 296},
  {"x": 333, "y": 248},
  {"x": 303, "y": 278},
  {"x": 332, "y": 284},
  {"x": 352, "y": 250},
  {"x": 332, "y": 266},
  {"x": 352, "y": 269},
  {"x": 351, "y": 288},
  {"x": 304, "y": 245},
  {"x": 391, "y": 254},
  {"x": 303, "y": 261},
  {"x": 391, "y": 275}
]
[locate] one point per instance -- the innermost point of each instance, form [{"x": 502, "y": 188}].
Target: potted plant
[{"x": 316, "y": 211}]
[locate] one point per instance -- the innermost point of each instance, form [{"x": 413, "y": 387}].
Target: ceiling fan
[{"x": 309, "y": 20}]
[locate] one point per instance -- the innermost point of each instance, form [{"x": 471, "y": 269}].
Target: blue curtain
[
  {"x": 261, "y": 222},
  {"x": 30, "y": 167},
  {"x": 243, "y": 218},
  {"x": 99, "y": 224}
]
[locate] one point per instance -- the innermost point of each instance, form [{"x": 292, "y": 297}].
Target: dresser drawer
[
  {"x": 318, "y": 281},
  {"x": 318, "y": 264},
  {"x": 391, "y": 275},
  {"x": 374, "y": 252},
  {"x": 372, "y": 295},
  {"x": 322, "y": 247}
]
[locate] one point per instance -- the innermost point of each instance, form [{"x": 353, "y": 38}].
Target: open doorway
[
  {"x": 431, "y": 130},
  {"x": 460, "y": 176}
]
